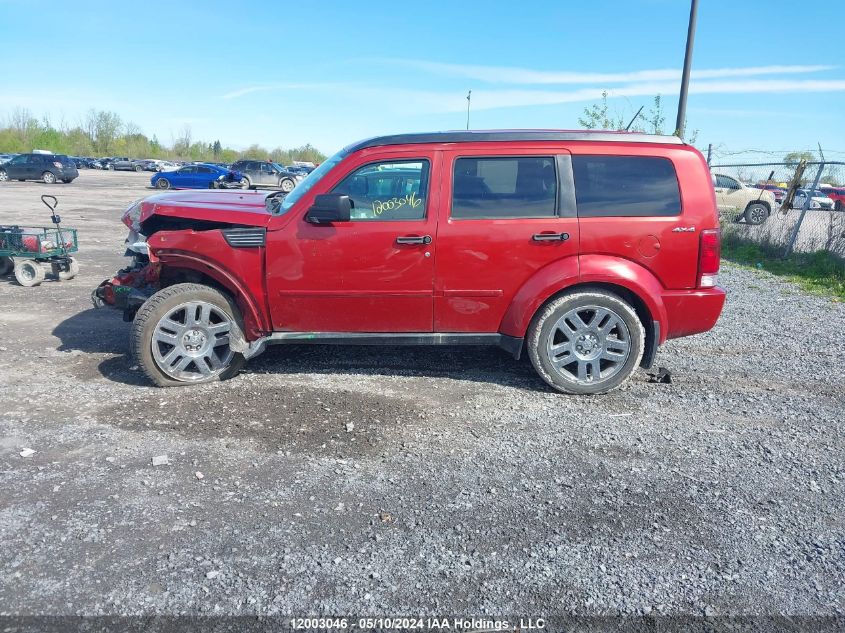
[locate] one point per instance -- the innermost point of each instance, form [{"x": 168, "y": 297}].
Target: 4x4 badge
[{"x": 684, "y": 229}]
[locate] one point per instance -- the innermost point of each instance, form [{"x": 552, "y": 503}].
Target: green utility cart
[{"x": 27, "y": 250}]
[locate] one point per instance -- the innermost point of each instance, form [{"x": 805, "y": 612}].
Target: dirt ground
[{"x": 412, "y": 481}]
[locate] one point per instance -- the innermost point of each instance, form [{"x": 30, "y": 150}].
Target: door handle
[
  {"x": 550, "y": 237},
  {"x": 413, "y": 239}
]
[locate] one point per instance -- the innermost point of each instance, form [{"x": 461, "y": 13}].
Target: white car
[
  {"x": 166, "y": 165},
  {"x": 817, "y": 201}
]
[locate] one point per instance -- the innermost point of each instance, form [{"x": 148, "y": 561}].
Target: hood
[{"x": 235, "y": 207}]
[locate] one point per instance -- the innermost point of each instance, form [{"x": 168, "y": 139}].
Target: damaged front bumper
[{"x": 127, "y": 290}]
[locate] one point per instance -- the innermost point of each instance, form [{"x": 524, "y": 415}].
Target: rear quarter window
[{"x": 625, "y": 186}]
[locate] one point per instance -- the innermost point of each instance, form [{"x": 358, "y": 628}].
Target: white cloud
[
  {"x": 242, "y": 92},
  {"x": 513, "y": 75}
]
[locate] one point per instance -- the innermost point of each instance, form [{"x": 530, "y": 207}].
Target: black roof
[{"x": 470, "y": 136}]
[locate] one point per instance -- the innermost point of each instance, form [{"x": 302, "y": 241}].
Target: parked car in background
[
  {"x": 837, "y": 194},
  {"x": 777, "y": 191},
  {"x": 584, "y": 250},
  {"x": 257, "y": 173},
  {"x": 122, "y": 163},
  {"x": 740, "y": 202},
  {"x": 147, "y": 164},
  {"x": 50, "y": 168},
  {"x": 166, "y": 165},
  {"x": 107, "y": 162},
  {"x": 300, "y": 169},
  {"x": 818, "y": 200},
  {"x": 196, "y": 177}
]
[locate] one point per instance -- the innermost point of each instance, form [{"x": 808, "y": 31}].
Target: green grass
[{"x": 820, "y": 272}]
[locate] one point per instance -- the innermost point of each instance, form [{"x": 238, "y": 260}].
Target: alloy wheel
[
  {"x": 191, "y": 342},
  {"x": 589, "y": 344}
]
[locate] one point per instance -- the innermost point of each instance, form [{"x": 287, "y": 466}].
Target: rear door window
[
  {"x": 607, "y": 186},
  {"x": 504, "y": 187}
]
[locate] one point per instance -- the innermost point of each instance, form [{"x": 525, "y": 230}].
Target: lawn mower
[{"x": 27, "y": 250}]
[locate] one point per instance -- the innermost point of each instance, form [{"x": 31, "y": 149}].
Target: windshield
[{"x": 310, "y": 180}]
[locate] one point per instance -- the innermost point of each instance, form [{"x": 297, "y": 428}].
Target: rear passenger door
[
  {"x": 504, "y": 217},
  {"x": 630, "y": 207}
]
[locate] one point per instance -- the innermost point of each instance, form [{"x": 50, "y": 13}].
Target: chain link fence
[{"x": 783, "y": 207}]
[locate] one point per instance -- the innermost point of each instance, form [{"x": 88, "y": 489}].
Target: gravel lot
[{"x": 413, "y": 481}]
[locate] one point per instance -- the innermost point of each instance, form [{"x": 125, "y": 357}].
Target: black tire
[
  {"x": 286, "y": 185},
  {"x": 3, "y": 175},
  {"x": 49, "y": 177},
  {"x": 110, "y": 167},
  {"x": 162, "y": 183},
  {"x": 66, "y": 275},
  {"x": 837, "y": 206},
  {"x": 246, "y": 183},
  {"x": 67, "y": 181},
  {"x": 138, "y": 168},
  {"x": 6, "y": 265},
  {"x": 160, "y": 305},
  {"x": 756, "y": 213},
  {"x": 544, "y": 331}
]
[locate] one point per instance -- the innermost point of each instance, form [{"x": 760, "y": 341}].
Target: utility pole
[
  {"x": 709, "y": 153},
  {"x": 682, "y": 101},
  {"x": 469, "y": 99}
]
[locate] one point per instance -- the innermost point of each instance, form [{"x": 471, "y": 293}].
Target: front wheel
[
  {"x": 756, "y": 213},
  {"x": 6, "y": 265},
  {"x": 286, "y": 185},
  {"x": 66, "y": 275},
  {"x": 163, "y": 183},
  {"x": 29, "y": 273},
  {"x": 48, "y": 177},
  {"x": 182, "y": 334},
  {"x": 245, "y": 183},
  {"x": 138, "y": 168},
  {"x": 586, "y": 342}
]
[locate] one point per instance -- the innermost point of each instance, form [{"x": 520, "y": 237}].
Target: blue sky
[{"x": 283, "y": 74}]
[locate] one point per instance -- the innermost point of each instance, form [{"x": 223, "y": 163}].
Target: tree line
[{"x": 104, "y": 133}]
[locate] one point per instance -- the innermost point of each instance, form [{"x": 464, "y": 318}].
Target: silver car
[{"x": 259, "y": 173}]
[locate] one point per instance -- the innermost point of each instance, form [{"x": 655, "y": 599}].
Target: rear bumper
[{"x": 692, "y": 311}]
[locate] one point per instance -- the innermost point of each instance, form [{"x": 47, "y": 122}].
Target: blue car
[{"x": 201, "y": 176}]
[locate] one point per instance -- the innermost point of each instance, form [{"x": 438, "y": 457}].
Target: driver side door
[{"x": 373, "y": 273}]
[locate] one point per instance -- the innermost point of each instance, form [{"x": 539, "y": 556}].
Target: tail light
[{"x": 709, "y": 254}]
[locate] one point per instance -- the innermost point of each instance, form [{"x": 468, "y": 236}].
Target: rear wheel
[
  {"x": 28, "y": 272},
  {"x": 3, "y": 175},
  {"x": 286, "y": 185},
  {"x": 586, "y": 342},
  {"x": 138, "y": 168},
  {"x": 48, "y": 177},
  {"x": 70, "y": 273},
  {"x": 182, "y": 334},
  {"x": 163, "y": 183},
  {"x": 756, "y": 213}
]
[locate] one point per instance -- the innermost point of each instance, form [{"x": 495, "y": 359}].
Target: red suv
[{"x": 587, "y": 250}]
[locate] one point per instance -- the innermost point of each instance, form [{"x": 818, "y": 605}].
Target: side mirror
[{"x": 330, "y": 207}]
